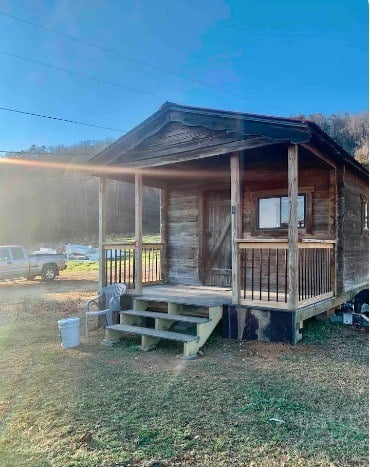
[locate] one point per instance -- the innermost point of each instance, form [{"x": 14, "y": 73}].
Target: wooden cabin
[{"x": 264, "y": 220}]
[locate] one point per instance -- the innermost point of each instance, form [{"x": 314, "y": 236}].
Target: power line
[
  {"x": 82, "y": 75},
  {"x": 60, "y": 119},
  {"x": 26, "y": 152},
  {"x": 126, "y": 57}
]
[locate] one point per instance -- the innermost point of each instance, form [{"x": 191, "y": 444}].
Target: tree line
[
  {"x": 60, "y": 205},
  {"x": 48, "y": 205}
]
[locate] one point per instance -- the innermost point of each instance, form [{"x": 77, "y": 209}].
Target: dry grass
[{"x": 134, "y": 407}]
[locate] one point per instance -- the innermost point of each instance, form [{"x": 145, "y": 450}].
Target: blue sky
[{"x": 283, "y": 57}]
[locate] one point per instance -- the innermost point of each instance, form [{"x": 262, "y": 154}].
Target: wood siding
[
  {"x": 183, "y": 236},
  {"x": 316, "y": 179},
  {"x": 355, "y": 240}
]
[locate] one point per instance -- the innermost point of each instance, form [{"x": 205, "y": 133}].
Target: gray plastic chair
[{"x": 107, "y": 301}]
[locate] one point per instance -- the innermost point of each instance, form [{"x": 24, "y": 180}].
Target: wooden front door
[{"x": 216, "y": 258}]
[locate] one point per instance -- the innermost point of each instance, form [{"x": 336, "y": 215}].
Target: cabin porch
[
  {"x": 214, "y": 262},
  {"x": 210, "y": 234}
]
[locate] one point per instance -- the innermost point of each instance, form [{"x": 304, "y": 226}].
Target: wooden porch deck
[
  {"x": 200, "y": 296},
  {"x": 209, "y": 296}
]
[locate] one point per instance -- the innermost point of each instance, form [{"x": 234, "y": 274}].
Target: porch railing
[
  {"x": 264, "y": 271},
  {"x": 119, "y": 260}
]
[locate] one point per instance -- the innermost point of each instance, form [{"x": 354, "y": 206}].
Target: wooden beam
[
  {"x": 164, "y": 233},
  {"x": 340, "y": 214},
  {"x": 201, "y": 236},
  {"x": 236, "y": 225},
  {"x": 200, "y": 153},
  {"x": 293, "y": 227},
  {"x": 138, "y": 233},
  {"x": 102, "y": 230},
  {"x": 319, "y": 154},
  {"x": 332, "y": 224}
]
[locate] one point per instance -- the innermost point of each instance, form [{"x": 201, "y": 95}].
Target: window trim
[
  {"x": 364, "y": 209},
  {"x": 307, "y": 192},
  {"x": 280, "y": 197}
]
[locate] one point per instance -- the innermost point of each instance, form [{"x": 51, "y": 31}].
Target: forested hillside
[
  {"x": 50, "y": 205},
  {"x": 350, "y": 131}
]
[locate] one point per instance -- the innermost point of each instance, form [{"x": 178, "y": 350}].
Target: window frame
[
  {"x": 280, "y": 197},
  {"x": 255, "y": 196},
  {"x": 364, "y": 213}
]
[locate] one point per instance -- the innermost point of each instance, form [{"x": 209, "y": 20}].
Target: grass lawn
[{"x": 134, "y": 407}]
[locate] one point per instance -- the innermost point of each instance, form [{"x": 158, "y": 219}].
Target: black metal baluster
[
  {"x": 115, "y": 265},
  {"x": 260, "y": 273},
  {"x": 106, "y": 267},
  {"x": 299, "y": 274},
  {"x": 317, "y": 272},
  {"x": 120, "y": 266},
  {"x": 277, "y": 274},
  {"x": 309, "y": 253},
  {"x": 252, "y": 273},
  {"x": 286, "y": 276},
  {"x": 321, "y": 272},
  {"x": 124, "y": 267},
  {"x": 153, "y": 265},
  {"x": 268, "y": 273},
  {"x": 129, "y": 267},
  {"x": 244, "y": 259}
]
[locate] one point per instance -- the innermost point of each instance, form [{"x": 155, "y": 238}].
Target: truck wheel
[{"x": 48, "y": 274}]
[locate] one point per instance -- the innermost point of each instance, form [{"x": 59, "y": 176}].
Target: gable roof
[{"x": 161, "y": 139}]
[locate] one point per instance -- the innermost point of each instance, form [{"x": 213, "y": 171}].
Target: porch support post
[
  {"x": 164, "y": 233},
  {"x": 293, "y": 227},
  {"x": 138, "y": 232},
  {"x": 236, "y": 225},
  {"x": 102, "y": 230},
  {"x": 333, "y": 216}
]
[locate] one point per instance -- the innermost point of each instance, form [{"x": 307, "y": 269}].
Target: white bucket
[{"x": 69, "y": 330}]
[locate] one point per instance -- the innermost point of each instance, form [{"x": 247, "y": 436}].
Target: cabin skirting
[{"x": 250, "y": 323}]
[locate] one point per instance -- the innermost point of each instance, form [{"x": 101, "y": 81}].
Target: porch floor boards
[
  {"x": 200, "y": 296},
  {"x": 209, "y": 296}
]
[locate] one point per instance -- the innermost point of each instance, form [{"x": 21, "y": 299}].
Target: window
[
  {"x": 364, "y": 214},
  {"x": 273, "y": 213},
  {"x": 4, "y": 254},
  {"x": 17, "y": 253}
]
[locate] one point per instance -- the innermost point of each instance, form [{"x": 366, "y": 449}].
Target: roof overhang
[{"x": 211, "y": 133}]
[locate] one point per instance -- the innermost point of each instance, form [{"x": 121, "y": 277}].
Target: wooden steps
[
  {"x": 171, "y": 317},
  {"x": 172, "y": 336},
  {"x": 131, "y": 322}
]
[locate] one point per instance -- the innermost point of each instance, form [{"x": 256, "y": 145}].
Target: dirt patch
[{"x": 71, "y": 284}]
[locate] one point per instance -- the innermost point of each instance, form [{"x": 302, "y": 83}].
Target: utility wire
[
  {"x": 82, "y": 75},
  {"x": 59, "y": 119},
  {"x": 126, "y": 57},
  {"x": 31, "y": 153}
]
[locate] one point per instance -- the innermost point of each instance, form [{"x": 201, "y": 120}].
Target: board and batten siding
[{"x": 183, "y": 236}]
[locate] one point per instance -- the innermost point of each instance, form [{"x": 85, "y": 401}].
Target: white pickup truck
[{"x": 15, "y": 262}]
